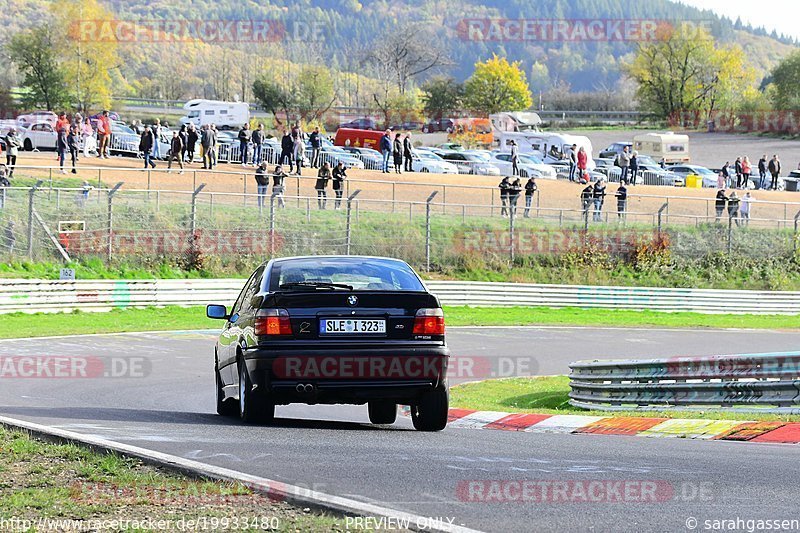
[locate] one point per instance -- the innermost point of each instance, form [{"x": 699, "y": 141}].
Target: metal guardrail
[
  {"x": 748, "y": 383},
  {"x": 102, "y": 295}
]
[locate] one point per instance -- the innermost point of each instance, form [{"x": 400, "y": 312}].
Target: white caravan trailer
[
  {"x": 226, "y": 115},
  {"x": 548, "y": 146},
  {"x": 672, "y": 147},
  {"x": 508, "y": 121}
]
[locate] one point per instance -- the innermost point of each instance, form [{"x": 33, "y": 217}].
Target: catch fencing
[
  {"x": 747, "y": 383},
  {"x": 103, "y": 295}
]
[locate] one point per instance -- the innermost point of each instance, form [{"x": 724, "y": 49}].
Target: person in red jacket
[
  {"x": 104, "y": 135},
  {"x": 583, "y": 161}
]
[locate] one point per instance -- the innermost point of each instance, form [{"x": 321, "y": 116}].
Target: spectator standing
[
  {"x": 746, "y": 169},
  {"x": 762, "y": 172},
  {"x": 583, "y": 161},
  {"x": 244, "y": 143},
  {"x": 83, "y": 194},
  {"x": 298, "y": 148},
  {"x": 61, "y": 147},
  {"x": 262, "y": 183},
  {"x": 278, "y": 180},
  {"x": 316, "y": 147},
  {"x": 214, "y": 144},
  {"x": 12, "y": 149},
  {"x": 744, "y": 208},
  {"x": 73, "y": 144},
  {"x": 339, "y": 175},
  {"x": 88, "y": 138},
  {"x": 513, "y": 195},
  {"x": 733, "y": 207},
  {"x": 724, "y": 176},
  {"x": 205, "y": 146},
  {"x": 182, "y": 133},
  {"x": 62, "y": 124},
  {"x": 514, "y": 158},
  {"x": 287, "y": 147},
  {"x": 397, "y": 152},
  {"x": 775, "y": 170},
  {"x": 622, "y": 199},
  {"x": 720, "y": 202},
  {"x": 737, "y": 165},
  {"x": 157, "y": 131},
  {"x": 146, "y": 142},
  {"x": 573, "y": 161},
  {"x": 586, "y": 199},
  {"x": 191, "y": 142},
  {"x": 505, "y": 186},
  {"x": 386, "y": 150},
  {"x": 663, "y": 164},
  {"x": 599, "y": 196},
  {"x": 104, "y": 135},
  {"x": 624, "y": 162},
  {"x": 258, "y": 142},
  {"x": 530, "y": 190},
  {"x": 634, "y": 167},
  {"x": 323, "y": 176},
  {"x": 175, "y": 151},
  {"x": 408, "y": 153}
]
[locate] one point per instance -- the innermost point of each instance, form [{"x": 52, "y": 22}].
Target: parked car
[
  {"x": 371, "y": 158},
  {"x": 408, "y": 125},
  {"x": 361, "y": 124},
  {"x": 614, "y": 149},
  {"x": 442, "y": 124},
  {"x": 603, "y": 164},
  {"x": 41, "y": 135},
  {"x": 425, "y": 161},
  {"x": 468, "y": 163},
  {"x": 710, "y": 178},
  {"x": 529, "y": 165},
  {"x": 296, "y": 315},
  {"x": 334, "y": 154},
  {"x": 451, "y": 147},
  {"x": 37, "y": 117}
]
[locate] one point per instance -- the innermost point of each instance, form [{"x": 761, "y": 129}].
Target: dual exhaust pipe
[{"x": 304, "y": 388}]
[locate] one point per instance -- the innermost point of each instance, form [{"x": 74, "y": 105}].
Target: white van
[
  {"x": 548, "y": 146},
  {"x": 508, "y": 121},
  {"x": 226, "y": 115},
  {"x": 672, "y": 147}
]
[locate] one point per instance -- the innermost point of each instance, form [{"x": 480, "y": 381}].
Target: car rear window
[{"x": 360, "y": 273}]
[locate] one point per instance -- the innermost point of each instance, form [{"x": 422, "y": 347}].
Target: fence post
[
  {"x": 193, "y": 218},
  {"x": 31, "y": 194},
  {"x": 110, "y": 224},
  {"x": 730, "y": 233},
  {"x": 298, "y": 192},
  {"x": 512, "y": 207},
  {"x": 347, "y": 227},
  {"x": 586, "y": 210},
  {"x": 428, "y": 230},
  {"x": 394, "y": 197},
  {"x": 272, "y": 226},
  {"x": 795, "y": 236},
  {"x": 660, "y": 212}
]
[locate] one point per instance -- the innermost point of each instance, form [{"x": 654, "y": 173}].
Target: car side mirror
[{"x": 217, "y": 311}]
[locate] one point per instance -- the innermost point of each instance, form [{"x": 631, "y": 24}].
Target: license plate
[{"x": 351, "y": 326}]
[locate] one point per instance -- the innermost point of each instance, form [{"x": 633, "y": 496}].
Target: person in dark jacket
[
  {"x": 737, "y": 165},
  {"x": 622, "y": 198},
  {"x": 514, "y": 158},
  {"x": 586, "y": 199},
  {"x": 634, "y": 165},
  {"x": 74, "y": 145},
  {"x": 599, "y": 196},
  {"x": 339, "y": 175},
  {"x": 775, "y": 170},
  {"x": 278, "y": 180},
  {"x": 191, "y": 142},
  {"x": 762, "y": 172},
  {"x": 720, "y": 202},
  {"x": 323, "y": 176},
  {"x": 262, "y": 182},
  {"x": 725, "y": 174},
  {"x": 513, "y": 195},
  {"x": 287, "y": 147},
  {"x": 244, "y": 143},
  {"x": 146, "y": 143},
  {"x": 184, "y": 140},
  {"x": 397, "y": 152},
  {"x": 61, "y": 147},
  {"x": 258, "y": 143},
  {"x": 505, "y": 187},
  {"x": 12, "y": 149},
  {"x": 733, "y": 207},
  {"x": 316, "y": 147},
  {"x": 175, "y": 151},
  {"x": 408, "y": 153},
  {"x": 386, "y": 150},
  {"x": 530, "y": 190}
]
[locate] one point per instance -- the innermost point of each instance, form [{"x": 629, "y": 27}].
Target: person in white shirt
[{"x": 744, "y": 208}]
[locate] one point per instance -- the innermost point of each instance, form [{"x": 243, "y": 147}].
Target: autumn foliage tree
[{"x": 497, "y": 85}]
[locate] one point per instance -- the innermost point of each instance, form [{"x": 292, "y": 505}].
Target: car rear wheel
[
  {"x": 382, "y": 412},
  {"x": 252, "y": 407},
  {"x": 430, "y": 413},
  {"x": 28, "y": 145},
  {"x": 425, "y": 170},
  {"x": 225, "y": 407}
]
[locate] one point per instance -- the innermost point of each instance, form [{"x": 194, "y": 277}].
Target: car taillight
[
  {"x": 273, "y": 322},
  {"x": 429, "y": 322}
]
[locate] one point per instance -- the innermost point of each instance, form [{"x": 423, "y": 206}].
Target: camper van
[
  {"x": 509, "y": 121},
  {"x": 226, "y": 115},
  {"x": 672, "y": 147},
  {"x": 548, "y": 146}
]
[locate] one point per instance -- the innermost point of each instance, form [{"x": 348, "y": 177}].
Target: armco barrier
[
  {"x": 102, "y": 295},
  {"x": 753, "y": 382}
]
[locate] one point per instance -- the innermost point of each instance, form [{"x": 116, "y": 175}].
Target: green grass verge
[
  {"x": 40, "y": 480},
  {"x": 20, "y": 325},
  {"x": 550, "y": 395}
]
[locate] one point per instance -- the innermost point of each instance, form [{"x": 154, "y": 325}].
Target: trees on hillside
[
  {"x": 34, "y": 53},
  {"x": 497, "y": 85},
  {"x": 785, "y": 91},
  {"x": 441, "y": 96}
]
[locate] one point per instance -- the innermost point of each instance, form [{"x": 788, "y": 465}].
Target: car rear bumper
[{"x": 347, "y": 374}]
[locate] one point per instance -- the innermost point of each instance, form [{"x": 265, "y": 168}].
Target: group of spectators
[
  {"x": 182, "y": 144},
  {"x": 509, "y": 195},
  {"x": 325, "y": 174},
  {"x": 742, "y": 170},
  {"x": 396, "y": 149},
  {"x": 738, "y": 208}
]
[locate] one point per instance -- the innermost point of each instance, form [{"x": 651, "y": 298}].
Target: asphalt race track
[{"x": 334, "y": 450}]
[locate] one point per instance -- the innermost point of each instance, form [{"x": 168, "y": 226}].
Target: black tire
[
  {"x": 27, "y": 145},
  {"x": 430, "y": 413},
  {"x": 252, "y": 407},
  {"x": 523, "y": 174},
  {"x": 225, "y": 407},
  {"x": 425, "y": 170},
  {"x": 382, "y": 412}
]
